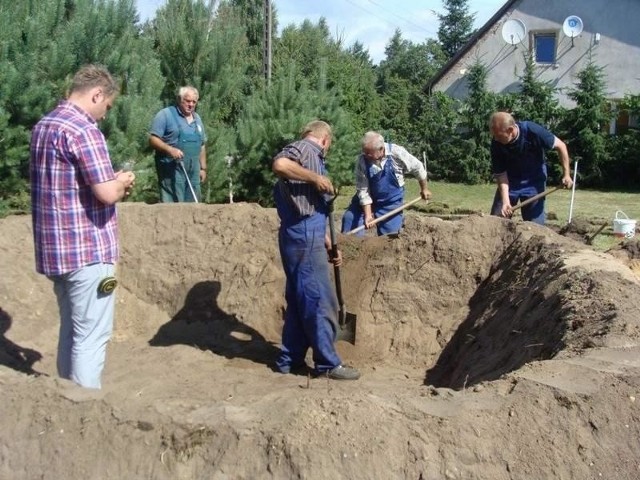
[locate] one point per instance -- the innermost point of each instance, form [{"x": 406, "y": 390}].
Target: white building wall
[{"x": 611, "y": 37}]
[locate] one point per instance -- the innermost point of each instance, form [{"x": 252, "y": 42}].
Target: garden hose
[{"x": 107, "y": 285}]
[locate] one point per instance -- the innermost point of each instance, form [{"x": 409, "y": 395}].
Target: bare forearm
[
  {"x": 158, "y": 144},
  {"x": 114, "y": 190},
  {"x": 203, "y": 158},
  {"x": 562, "y": 150},
  {"x": 503, "y": 187},
  {"x": 286, "y": 168}
]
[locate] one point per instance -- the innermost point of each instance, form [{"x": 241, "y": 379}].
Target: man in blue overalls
[
  {"x": 312, "y": 307},
  {"x": 519, "y": 165},
  {"x": 178, "y": 138},
  {"x": 380, "y": 171}
]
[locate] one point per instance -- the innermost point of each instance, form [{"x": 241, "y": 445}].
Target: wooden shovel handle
[
  {"x": 536, "y": 198},
  {"x": 393, "y": 212}
]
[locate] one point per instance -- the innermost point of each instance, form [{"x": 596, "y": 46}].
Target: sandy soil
[{"x": 490, "y": 349}]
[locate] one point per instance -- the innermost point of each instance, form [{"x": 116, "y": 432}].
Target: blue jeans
[
  {"x": 312, "y": 306},
  {"x": 86, "y": 323}
]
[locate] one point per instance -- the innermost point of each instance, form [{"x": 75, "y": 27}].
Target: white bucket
[{"x": 624, "y": 227}]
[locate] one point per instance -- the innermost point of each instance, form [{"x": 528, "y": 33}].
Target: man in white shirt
[{"x": 380, "y": 175}]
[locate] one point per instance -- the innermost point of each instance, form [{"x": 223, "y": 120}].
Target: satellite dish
[
  {"x": 513, "y": 31},
  {"x": 572, "y": 26}
]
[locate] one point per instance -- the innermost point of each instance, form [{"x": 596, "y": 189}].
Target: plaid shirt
[
  {"x": 71, "y": 227},
  {"x": 303, "y": 197}
]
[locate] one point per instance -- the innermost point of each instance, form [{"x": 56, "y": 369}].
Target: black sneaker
[{"x": 343, "y": 372}]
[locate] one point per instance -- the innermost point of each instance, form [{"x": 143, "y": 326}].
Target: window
[
  {"x": 621, "y": 120},
  {"x": 544, "y": 45}
]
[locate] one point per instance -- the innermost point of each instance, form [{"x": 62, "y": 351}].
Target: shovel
[
  {"x": 393, "y": 212},
  {"x": 346, "y": 328}
]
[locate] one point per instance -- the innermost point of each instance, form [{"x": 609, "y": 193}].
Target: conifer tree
[
  {"x": 437, "y": 135},
  {"x": 478, "y": 107},
  {"x": 303, "y": 46},
  {"x": 401, "y": 77},
  {"x": 587, "y": 124},
  {"x": 349, "y": 72},
  {"x": 274, "y": 118},
  {"x": 456, "y": 26},
  {"x": 537, "y": 100},
  {"x": 251, "y": 15},
  {"x": 45, "y": 42}
]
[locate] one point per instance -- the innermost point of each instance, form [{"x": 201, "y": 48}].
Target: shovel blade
[{"x": 346, "y": 330}]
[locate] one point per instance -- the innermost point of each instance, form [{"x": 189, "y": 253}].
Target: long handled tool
[
  {"x": 195, "y": 199},
  {"x": 536, "y": 197},
  {"x": 602, "y": 227},
  {"x": 346, "y": 328},
  {"x": 393, "y": 212}
]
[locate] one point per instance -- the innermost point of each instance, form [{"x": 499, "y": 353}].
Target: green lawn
[{"x": 590, "y": 208}]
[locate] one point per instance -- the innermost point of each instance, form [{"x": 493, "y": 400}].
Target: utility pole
[{"x": 267, "y": 41}]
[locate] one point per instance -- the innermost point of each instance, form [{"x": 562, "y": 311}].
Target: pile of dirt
[{"x": 490, "y": 349}]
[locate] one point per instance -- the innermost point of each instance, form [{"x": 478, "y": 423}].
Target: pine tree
[
  {"x": 273, "y": 118},
  {"x": 478, "y": 107},
  {"x": 349, "y": 71},
  {"x": 537, "y": 100},
  {"x": 401, "y": 78},
  {"x": 437, "y": 135},
  {"x": 44, "y": 43},
  {"x": 587, "y": 124},
  {"x": 303, "y": 46},
  {"x": 456, "y": 26}
]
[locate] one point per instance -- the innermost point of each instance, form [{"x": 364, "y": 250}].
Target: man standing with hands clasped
[
  {"x": 380, "y": 174},
  {"x": 73, "y": 194},
  {"x": 519, "y": 165},
  {"x": 177, "y": 135},
  {"x": 302, "y": 195}
]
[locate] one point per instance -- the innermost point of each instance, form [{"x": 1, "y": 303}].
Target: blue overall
[
  {"x": 312, "y": 306},
  {"x": 386, "y": 193},
  {"x": 171, "y": 176},
  {"x": 525, "y": 164}
]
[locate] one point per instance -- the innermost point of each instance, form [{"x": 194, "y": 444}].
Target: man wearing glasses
[{"x": 380, "y": 175}]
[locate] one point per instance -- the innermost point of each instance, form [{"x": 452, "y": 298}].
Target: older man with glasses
[{"x": 380, "y": 175}]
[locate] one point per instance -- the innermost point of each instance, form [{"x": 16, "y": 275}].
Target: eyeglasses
[{"x": 373, "y": 154}]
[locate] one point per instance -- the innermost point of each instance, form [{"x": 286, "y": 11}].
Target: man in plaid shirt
[{"x": 73, "y": 193}]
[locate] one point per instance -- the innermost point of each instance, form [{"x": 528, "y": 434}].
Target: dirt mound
[{"x": 489, "y": 349}]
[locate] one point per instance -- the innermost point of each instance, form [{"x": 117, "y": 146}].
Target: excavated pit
[
  {"x": 459, "y": 322},
  {"x": 468, "y": 301}
]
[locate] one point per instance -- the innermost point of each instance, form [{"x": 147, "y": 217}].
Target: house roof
[{"x": 467, "y": 46}]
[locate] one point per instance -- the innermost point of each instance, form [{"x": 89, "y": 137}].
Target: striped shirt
[
  {"x": 303, "y": 197},
  {"x": 403, "y": 164},
  {"x": 71, "y": 227}
]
